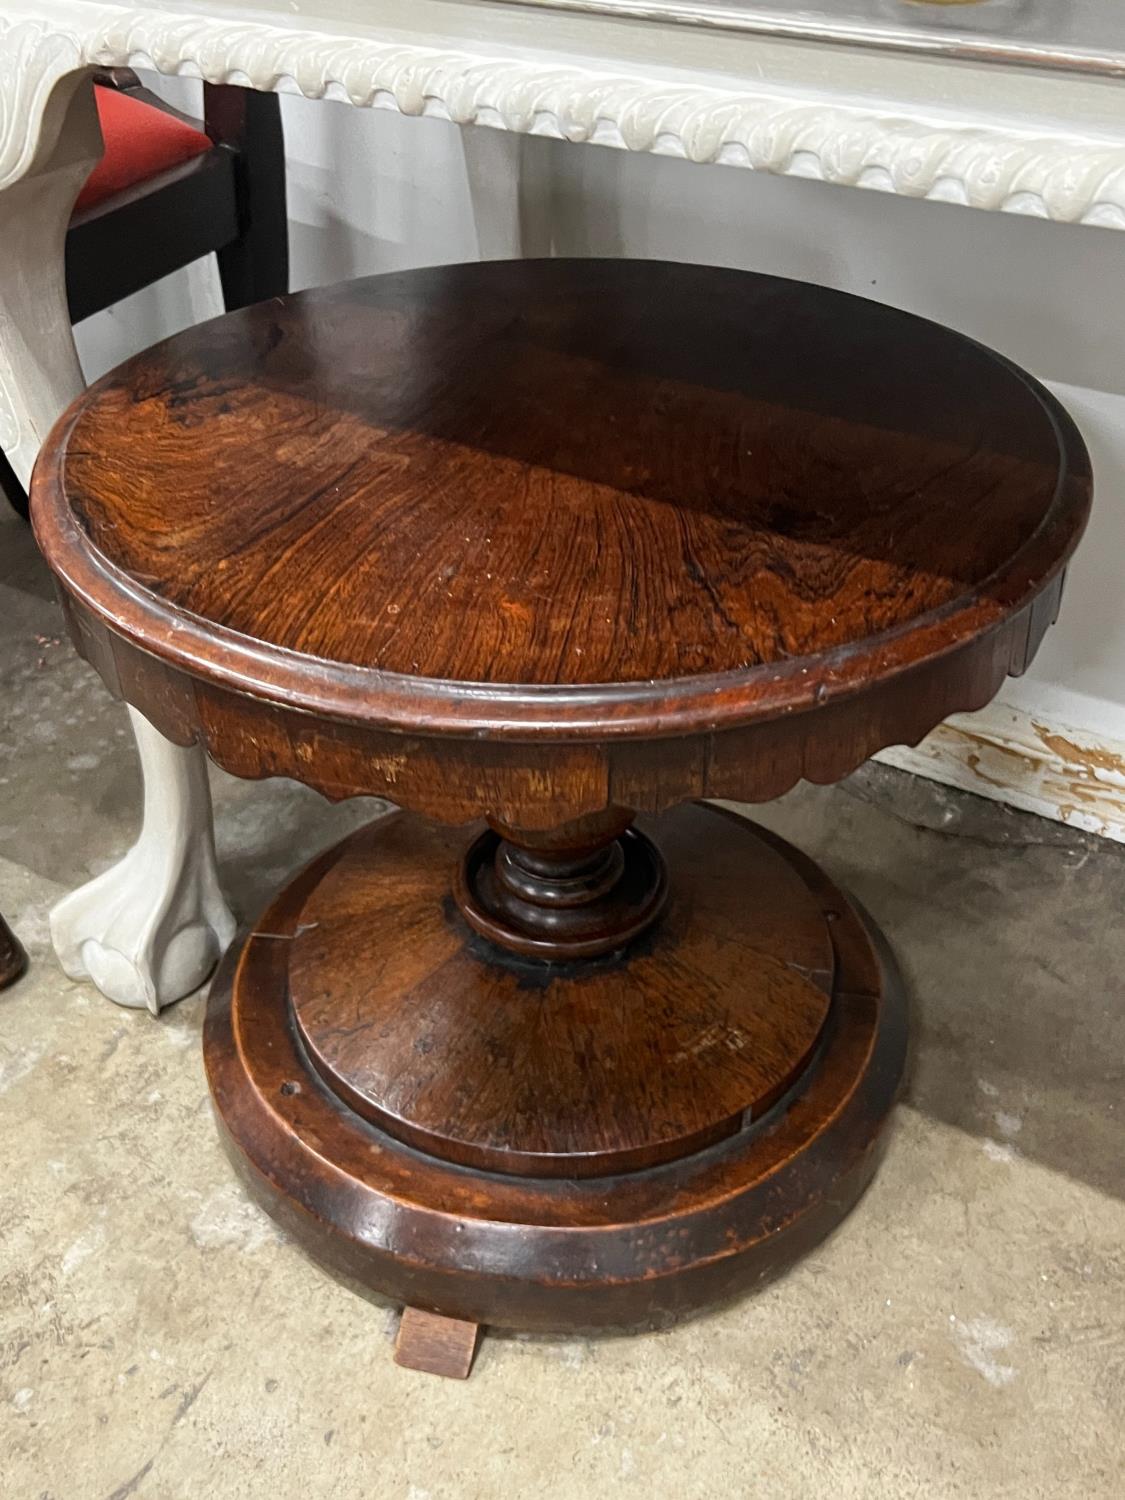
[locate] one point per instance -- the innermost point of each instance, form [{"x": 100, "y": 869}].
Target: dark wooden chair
[{"x": 169, "y": 190}]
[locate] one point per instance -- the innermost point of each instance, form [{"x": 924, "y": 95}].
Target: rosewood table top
[{"x": 566, "y": 501}]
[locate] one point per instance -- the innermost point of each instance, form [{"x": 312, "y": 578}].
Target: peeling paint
[
  {"x": 1090, "y": 757},
  {"x": 1049, "y": 769}
]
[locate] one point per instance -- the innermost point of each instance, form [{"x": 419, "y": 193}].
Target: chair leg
[
  {"x": 13, "y": 960},
  {"x": 256, "y": 265},
  {"x": 14, "y": 492}
]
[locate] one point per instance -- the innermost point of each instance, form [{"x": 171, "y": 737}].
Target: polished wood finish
[
  {"x": 583, "y": 895},
  {"x": 13, "y": 960},
  {"x": 633, "y": 1249},
  {"x": 573, "y": 1069},
  {"x": 463, "y": 537},
  {"x": 562, "y": 546},
  {"x": 439, "y": 1346}
]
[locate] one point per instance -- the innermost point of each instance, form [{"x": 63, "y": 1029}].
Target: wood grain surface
[
  {"x": 561, "y": 1070},
  {"x": 536, "y": 497},
  {"x": 436, "y": 1345},
  {"x": 632, "y": 1249}
]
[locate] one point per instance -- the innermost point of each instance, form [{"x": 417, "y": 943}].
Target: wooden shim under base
[{"x": 439, "y": 1346}]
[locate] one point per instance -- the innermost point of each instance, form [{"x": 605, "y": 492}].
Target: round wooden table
[{"x": 562, "y": 546}]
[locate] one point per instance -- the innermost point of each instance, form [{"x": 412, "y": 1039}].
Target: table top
[{"x": 530, "y": 492}]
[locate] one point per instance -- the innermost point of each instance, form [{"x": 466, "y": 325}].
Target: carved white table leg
[
  {"x": 151, "y": 929},
  {"x": 148, "y": 931}
]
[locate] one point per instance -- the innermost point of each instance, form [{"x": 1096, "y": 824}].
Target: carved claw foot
[{"x": 151, "y": 929}]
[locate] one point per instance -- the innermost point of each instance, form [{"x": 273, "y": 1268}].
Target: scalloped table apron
[{"x": 561, "y": 547}]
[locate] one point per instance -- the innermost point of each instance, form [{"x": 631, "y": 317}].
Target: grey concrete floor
[{"x": 962, "y": 1334}]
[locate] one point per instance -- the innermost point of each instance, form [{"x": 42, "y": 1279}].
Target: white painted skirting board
[{"x": 1013, "y": 756}]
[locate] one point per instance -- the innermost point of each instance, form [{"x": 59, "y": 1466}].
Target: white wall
[{"x": 371, "y": 192}]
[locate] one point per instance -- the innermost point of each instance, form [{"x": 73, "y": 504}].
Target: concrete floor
[{"x": 963, "y": 1334}]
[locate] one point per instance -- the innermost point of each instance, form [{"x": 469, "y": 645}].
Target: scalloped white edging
[{"x": 987, "y": 165}]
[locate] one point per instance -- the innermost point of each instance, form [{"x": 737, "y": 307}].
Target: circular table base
[{"x": 309, "y": 1124}]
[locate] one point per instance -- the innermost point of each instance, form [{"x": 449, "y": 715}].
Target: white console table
[{"x": 1021, "y": 123}]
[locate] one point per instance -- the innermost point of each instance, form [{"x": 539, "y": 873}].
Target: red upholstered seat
[{"x": 140, "y": 141}]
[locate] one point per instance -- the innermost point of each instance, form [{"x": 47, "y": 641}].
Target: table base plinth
[{"x": 612, "y": 1142}]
